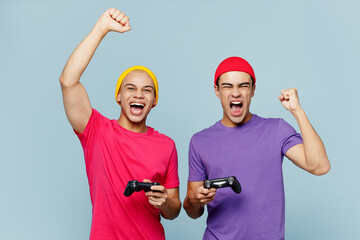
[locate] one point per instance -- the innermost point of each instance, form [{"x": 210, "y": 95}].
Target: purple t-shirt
[{"x": 253, "y": 153}]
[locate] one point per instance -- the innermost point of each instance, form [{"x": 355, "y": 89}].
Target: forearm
[
  {"x": 315, "y": 154},
  {"x": 193, "y": 210},
  {"x": 172, "y": 209},
  {"x": 82, "y": 55}
]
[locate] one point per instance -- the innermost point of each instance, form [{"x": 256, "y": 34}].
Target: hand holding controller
[
  {"x": 136, "y": 186},
  {"x": 224, "y": 182}
]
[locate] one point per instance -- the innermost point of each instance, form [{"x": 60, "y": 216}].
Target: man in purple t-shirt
[{"x": 251, "y": 148}]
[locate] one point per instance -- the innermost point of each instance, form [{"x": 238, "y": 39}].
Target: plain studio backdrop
[{"x": 310, "y": 45}]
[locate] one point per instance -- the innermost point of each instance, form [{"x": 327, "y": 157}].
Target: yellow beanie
[{"x": 123, "y": 75}]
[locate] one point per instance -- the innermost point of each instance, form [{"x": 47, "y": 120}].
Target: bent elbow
[
  {"x": 191, "y": 213},
  {"x": 68, "y": 81},
  {"x": 321, "y": 170},
  {"x": 63, "y": 81}
]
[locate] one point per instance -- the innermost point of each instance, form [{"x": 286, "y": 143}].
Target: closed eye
[{"x": 226, "y": 85}]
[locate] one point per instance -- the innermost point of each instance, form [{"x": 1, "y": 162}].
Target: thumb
[{"x": 127, "y": 27}]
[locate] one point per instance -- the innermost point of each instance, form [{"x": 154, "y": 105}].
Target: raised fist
[
  {"x": 289, "y": 99},
  {"x": 114, "y": 20}
]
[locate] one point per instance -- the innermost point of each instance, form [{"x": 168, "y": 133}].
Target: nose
[
  {"x": 236, "y": 92},
  {"x": 139, "y": 94}
]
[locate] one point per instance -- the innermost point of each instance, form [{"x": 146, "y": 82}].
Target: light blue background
[{"x": 310, "y": 45}]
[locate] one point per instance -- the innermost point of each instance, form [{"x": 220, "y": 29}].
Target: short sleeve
[
  {"x": 91, "y": 131},
  {"x": 288, "y": 137},
  {"x": 171, "y": 179},
  {"x": 197, "y": 172},
  {"x": 91, "y": 127}
]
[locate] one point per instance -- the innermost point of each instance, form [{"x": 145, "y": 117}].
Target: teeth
[
  {"x": 137, "y": 104},
  {"x": 236, "y": 103}
]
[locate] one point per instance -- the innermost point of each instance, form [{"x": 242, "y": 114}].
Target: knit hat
[
  {"x": 234, "y": 64},
  {"x": 126, "y": 72}
]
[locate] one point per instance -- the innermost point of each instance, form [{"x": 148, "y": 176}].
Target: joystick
[
  {"x": 136, "y": 186},
  {"x": 224, "y": 182}
]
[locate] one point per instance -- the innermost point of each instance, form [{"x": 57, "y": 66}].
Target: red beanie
[{"x": 234, "y": 64}]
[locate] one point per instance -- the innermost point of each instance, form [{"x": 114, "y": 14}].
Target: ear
[
  {"x": 118, "y": 97},
  {"x": 253, "y": 90},
  {"x": 217, "y": 91}
]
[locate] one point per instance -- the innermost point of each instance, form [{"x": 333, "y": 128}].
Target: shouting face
[
  {"x": 136, "y": 98},
  {"x": 235, "y": 91}
]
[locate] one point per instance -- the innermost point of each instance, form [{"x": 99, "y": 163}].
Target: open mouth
[
  {"x": 236, "y": 107},
  {"x": 136, "y": 108}
]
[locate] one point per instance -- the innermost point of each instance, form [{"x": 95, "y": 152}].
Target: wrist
[
  {"x": 195, "y": 202},
  {"x": 165, "y": 205},
  {"x": 100, "y": 28},
  {"x": 297, "y": 112}
]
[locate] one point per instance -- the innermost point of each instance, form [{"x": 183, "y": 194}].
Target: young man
[
  {"x": 117, "y": 151},
  {"x": 251, "y": 148}
]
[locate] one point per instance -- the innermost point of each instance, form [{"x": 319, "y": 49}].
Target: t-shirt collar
[
  {"x": 121, "y": 129},
  {"x": 255, "y": 119}
]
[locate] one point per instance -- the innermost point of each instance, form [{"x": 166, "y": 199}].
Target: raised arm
[
  {"x": 76, "y": 101},
  {"x": 310, "y": 156}
]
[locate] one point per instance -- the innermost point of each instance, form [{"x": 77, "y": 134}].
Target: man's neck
[
  {"x": 131, "y": 126},
  {"x": 228, "y": 123}
]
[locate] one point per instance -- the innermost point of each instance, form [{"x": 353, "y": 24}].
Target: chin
[
  {"x": 237, "y": 121},
  {"x": 137, "y": 119}
]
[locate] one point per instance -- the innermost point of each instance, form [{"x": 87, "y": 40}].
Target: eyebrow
[
  {"x": 147, "y": 86},
  {"x": 241, "y": 84}
]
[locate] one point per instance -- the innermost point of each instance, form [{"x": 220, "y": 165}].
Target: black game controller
[
  {"x": 136, "y": 186},
  {"x": 224, "y": 182}
]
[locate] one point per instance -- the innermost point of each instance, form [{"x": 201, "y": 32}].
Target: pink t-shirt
[{"x": 113, "y": 156}]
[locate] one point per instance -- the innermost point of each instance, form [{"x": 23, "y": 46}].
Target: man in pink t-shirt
[{"x": 117, "y": 151}]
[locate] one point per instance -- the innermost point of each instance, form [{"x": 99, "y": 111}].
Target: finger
[
  {"x": 116, "y": 14},
  {"x": 127, "y": 25},
  {"x": 155, "y": 194},
  {"x": 210, "y": 195},
  {"x": 152, "y": 202},
  {"x": 206, "y": 201},
  {"x": 286, "y": 97},
  {"x": 202, "y": 190},
  {"x": 124, "y": 20},
  {"x": 282, "y": 98},
  {"x": 156, "y": 203},
  {"x": 159, "y": 201},
  {"x": 158, "y": 188},
  {"x": 202, "y": 196},
  {"x": 111, "y": 11},
  {"x": 120, "y": 17},
  {"x": 205, "y": 191},
  {"x": 146, "y": 181},
  {"x": 293, "y": 90}
]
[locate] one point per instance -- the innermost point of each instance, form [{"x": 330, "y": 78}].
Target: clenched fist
[
  {"x": 289, "y": 99},
  {"x": 114, "y": 20}
]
